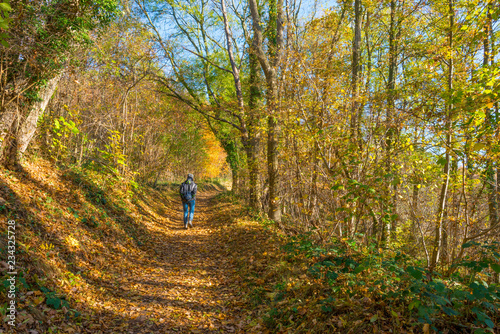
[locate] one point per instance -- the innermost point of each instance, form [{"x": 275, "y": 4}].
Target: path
[{"x": 180, "y": 285}]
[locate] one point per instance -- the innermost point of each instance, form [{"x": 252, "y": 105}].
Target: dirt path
[{"x": 180, "y": 284}]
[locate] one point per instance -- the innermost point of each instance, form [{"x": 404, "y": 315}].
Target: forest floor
[
  {"x": 98, "y": 254},
  {"x": 94, "y": 264},
  {"x": 183, "y": 282}
]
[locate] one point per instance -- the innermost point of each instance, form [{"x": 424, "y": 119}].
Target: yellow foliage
[{"x": 215, "y": 164}]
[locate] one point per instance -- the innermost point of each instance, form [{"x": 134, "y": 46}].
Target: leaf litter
[{"x": 123, "y": 264}]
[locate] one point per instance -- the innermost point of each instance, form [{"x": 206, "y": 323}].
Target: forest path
[{"x": 186, "y": 280}]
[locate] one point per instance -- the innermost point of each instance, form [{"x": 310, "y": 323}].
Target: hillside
[{"x": 96, "y": 255}]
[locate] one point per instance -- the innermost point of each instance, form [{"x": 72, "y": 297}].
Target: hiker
[{"x": 188, "y": 197}]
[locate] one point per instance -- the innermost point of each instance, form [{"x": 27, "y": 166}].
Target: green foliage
[
  {"x": 4, "y": 22},
  {"x": 54, "y": 300},
  {"x": 228, "y": 197},
  {"x": 355, "y": 271},
  {"x": 58, "y": 302},
  {"x": 486, "y": 256},
  {"x": 113, "y": 152},
  {"x": 61, "y": 129},
  {"x": 90, "y": 221},
  {"x": 48, "y": 32}
]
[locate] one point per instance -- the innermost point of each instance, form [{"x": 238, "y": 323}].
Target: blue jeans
[{"x": 188, "y": 209}]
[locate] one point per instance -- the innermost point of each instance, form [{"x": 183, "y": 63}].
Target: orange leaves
[{"x": 215, "y": 163}]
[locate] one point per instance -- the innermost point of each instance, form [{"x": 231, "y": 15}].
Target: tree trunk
[
  {"x": 491, "y": 175},
  {"x": 414, "y": 212},
  {"x": 313, "y": 190},
  {"x": 7, "y": 117},
  {"x": 356, "y": 69},
  {"x": 438, "y": 236},
  {"x": 253, "y": 130},
  {"x": 269, "y": 64},
  {"x": 496, "y": 171},
  {"x": 272, "y": 160},
  {"x": 492, "y": 172},
  {"x": 235, "y": 182},
  {"x": 29, "y": 126},
  {"x": 235, "y": 70},
  {"x": 390, "y": 123},
  {"x": 9, "y": 158}
]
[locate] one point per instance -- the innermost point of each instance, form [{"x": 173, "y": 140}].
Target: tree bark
[
  {"x": 391, "y": 132},
  {"x": 414, "y": 212},
  {"x": 253, "y": 130},
  {"x": 438, "y": 236},
  {"x": 29, "y": 125},
  {"x": 491, "y": 174},
  {"x": 235, "y": 181},
  {"x": 250, "y": 134},
  {"x": 269, "y": 64},
  {"x": 9, "y": 158},
  {"x": 356, "y": 69}
]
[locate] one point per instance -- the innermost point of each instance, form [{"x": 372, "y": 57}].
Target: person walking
[{"x": 188, "y": 196}]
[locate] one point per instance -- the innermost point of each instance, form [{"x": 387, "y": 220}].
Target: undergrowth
[{"x": 347, "y": 287}]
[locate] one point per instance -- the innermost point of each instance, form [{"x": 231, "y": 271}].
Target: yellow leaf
[
  {"x": 479, "y": 146},
  {"x": 38, "y": 300}
]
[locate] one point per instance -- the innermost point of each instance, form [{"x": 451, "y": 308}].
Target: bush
[{"x": 402, "y": 284}]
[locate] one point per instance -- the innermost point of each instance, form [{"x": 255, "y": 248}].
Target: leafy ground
[
  {"x": 98, "y": 254},
  {"x": 100, "y": 257}
]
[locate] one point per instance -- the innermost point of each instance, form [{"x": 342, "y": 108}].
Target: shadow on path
[{"x": 180, "y": 284}]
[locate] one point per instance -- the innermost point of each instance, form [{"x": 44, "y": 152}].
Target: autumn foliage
[{"x": 360, "y": 140}]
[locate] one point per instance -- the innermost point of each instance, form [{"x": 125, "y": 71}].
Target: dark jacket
[{"x": 189, "y": 187}]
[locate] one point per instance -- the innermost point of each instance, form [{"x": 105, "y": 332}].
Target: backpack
[{"x": 186, "y": 190}]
